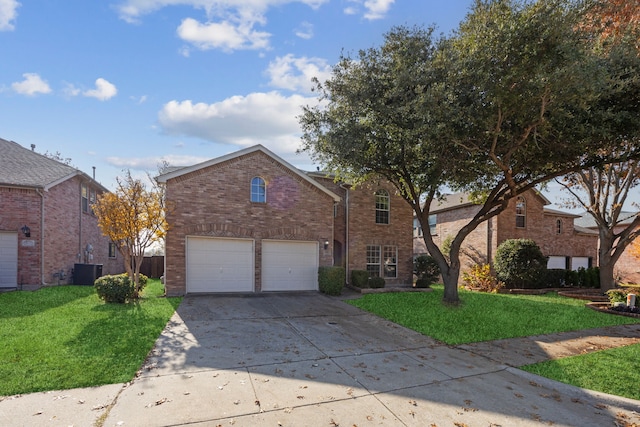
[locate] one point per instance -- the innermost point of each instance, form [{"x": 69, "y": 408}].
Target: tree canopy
[{"x": 515, "y": 97}]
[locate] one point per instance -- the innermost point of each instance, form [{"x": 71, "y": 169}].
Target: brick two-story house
[
  {"x": 251, "y": 222},
  {"x": 46, "y": 222},
  {"x": 567, "y": 245}
]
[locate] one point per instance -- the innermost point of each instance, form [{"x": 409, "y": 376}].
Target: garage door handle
[{"x": 289, "y": 271}]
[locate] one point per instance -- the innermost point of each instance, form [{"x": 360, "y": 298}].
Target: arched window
[
  {"x": 558, "y": 226},
  {"x": 258, "y": 190},
  {"x": 382, "y": 207},
  {"x": 521, "y": 212}
]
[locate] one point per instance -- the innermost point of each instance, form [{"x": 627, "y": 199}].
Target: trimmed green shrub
[
  {"x": 360, "y": 278},
  {"x": 376, "y": 282},
  {"x": 331, "y": 280},
  {"x": 426, "y": 269},
  {"x": 556, "y": 278},
  {"x": 481, "y": 278},
  {"x": 519, "y": 263},
  {"x": 117, "y": 288}
]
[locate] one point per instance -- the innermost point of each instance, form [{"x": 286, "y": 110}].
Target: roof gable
[
  {"x": 163, "y": 178},
  {"x": 26, "y": 168},
  {"x": 463, "y": 199}
]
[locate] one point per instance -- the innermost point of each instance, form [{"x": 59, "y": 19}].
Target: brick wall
[
  {"x": 66, "y": 231},
  {"x": 20, "y": 207},
  {"x": 215, "y": 201},
  {"x": 542, "y": 228},
  {"x": 627, "y": 269},
  {"x": 363, "y": 230}
]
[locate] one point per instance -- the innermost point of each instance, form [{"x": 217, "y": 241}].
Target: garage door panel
[
  {"x": 8, "y": 260},
  {"x": 289, "y": 265},
  {"x": 220, "y": 265}
]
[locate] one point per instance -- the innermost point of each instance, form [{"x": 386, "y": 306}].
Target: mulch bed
[{"x": 606, "y": 308}]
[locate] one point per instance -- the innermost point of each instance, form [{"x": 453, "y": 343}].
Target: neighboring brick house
[
  {"x": 46, "y": 223},
  {"x": 566, "y": 244},
  {"x": 627, "y": 268},
  {"x": 251, "y": 222}
]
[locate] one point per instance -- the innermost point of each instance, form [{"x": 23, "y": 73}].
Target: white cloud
[
  {"x": 104, "y": 90},
  {"x": 229, "y": 24},
  {"x": 151, "y": 163},
  {"x": 132, "y": 10},
  {"x": 304, "y": 30},
  {"x": 223, "y": 35},
  {"x": 377, "y": 9},
  {"x": 265, "y": 118},
  {"x": 374, "y": 9},
  {"x": 289, "y": 72},
  {"x": 31, "y": 85},
  {"x": 8, "y": 14},
  {"x": 71, "y": 90}
]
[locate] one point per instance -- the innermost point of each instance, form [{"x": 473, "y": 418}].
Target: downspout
[
  {"x": 42, "y": 280},
  {"x": 346, "y": 187}
]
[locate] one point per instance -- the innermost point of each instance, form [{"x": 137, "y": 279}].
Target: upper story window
[
  {"x": 558, "y": 226},
  {"x": 85, "y": 198},
  {"x": 258, "y": 190},
  {"x": 382, "y": 207},
  {"x": 417, "y": 228},
  {"x": 521, "y": 212},
  {"x": 112, "y": 250},
  {"x": 433, "y": 222}
]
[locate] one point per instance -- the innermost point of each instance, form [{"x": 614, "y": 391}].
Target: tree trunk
[
  {"x": 450, "y": 279},
  {"x": 606, "y": 262}
]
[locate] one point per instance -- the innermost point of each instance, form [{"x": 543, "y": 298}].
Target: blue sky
[{"x": 126, "y": 84}]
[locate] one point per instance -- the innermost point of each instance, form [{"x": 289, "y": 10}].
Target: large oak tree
[{"x": 505, "y": 103}]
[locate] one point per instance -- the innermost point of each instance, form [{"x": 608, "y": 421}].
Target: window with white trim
[
  {"x": 382, "y": 207},
  {"x": 390, "y": 257},
  {"x": 558, "y": 226},
  {"x": 258, "y": 190},
  {"x": 433, "y": 222},
  {"x": 373, "y": 260},
  {"x": 382, "y": 261},
  {"x": 521, "y": 212}
]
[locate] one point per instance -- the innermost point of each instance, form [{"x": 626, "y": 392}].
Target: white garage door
[
  {"x": 220, "y": 265},
  {"x": 289, "y": 266},
  {"x": 8, "y": 260}
]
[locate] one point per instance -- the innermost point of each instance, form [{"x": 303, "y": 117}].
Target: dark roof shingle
[{"x": 26, "y": 168}]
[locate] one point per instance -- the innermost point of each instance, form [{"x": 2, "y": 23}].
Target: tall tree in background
[
  {"x": 511, "y": 100},
  {"x": 133, "y": 217},
  {"x": 603, "y": 191}
]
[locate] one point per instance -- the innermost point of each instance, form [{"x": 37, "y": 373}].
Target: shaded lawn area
[
  {"x": 485, "y": 317},
  {"x": 65, "y": 337}
]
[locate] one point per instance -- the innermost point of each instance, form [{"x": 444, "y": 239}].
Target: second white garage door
[
  {"x": 289, "y": 265},
  {"x": 220, "y": 265}
]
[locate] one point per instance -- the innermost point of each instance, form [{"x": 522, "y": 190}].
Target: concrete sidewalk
[{"x": 312, "y": 360}]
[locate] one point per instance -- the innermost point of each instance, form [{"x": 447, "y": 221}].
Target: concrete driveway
[{"x": 312, "y": 360}]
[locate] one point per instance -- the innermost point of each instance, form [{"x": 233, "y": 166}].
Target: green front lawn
[
  {"x": 483, "y": 317},
  {"x": 65, "y": 337}
]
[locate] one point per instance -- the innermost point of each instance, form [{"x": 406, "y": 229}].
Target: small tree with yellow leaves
[{"x": 133, "y": 217}]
